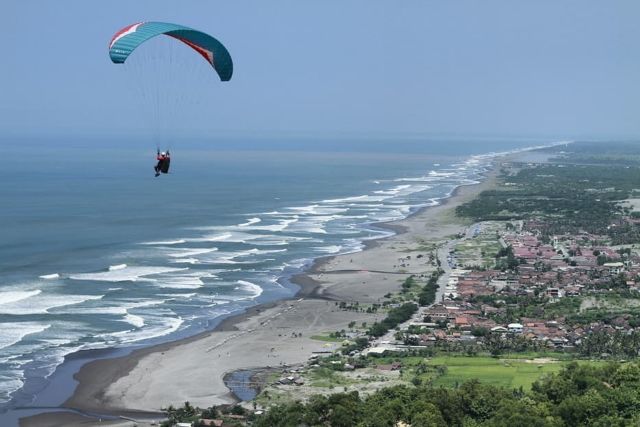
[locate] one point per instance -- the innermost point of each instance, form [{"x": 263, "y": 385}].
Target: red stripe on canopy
[
  {"x": 123, "y": 32},
  {"x": 206, "y": 54}
]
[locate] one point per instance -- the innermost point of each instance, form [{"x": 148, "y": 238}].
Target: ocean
[{"x": 97, "y": 253}]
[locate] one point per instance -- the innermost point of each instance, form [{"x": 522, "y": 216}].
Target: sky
[{"x": 543, "y": 68}]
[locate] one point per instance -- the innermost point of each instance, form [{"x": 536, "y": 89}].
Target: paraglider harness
[{"x": 164, "y": 160}]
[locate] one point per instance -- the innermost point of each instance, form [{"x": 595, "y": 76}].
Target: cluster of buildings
[
  {"x": 565, "y": 265},
  {"x": 456, "y": 321}
]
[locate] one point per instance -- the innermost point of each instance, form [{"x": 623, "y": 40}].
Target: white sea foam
[
  {"x": 415, "y": 179},
  {"x": 193, "y": 282},
  {"x": 358, "y": 199},
  {"x": 314, "y": 224},
  {"x": 14, "y": 296},
  {"x": 280, "y": 226},
  {"x": 313, "y": 229},
  {"x": 277, "y": 240},
  {"x": 229, "y": 237},
  {"x": 317, "y": 209},
  {"x": 440, "y": 173},
  {"x": 256, "y": 251},
  {"x": 185, "y": 261},
  {"x": 129, "y": 274},
  {"x": 405, "y": 190},
  {"x": 114, "y": 310},
  {"x": 50, "y": 276},
  {"x": 165, "y": 242},
  {"x": 183, "y": 296},
  {"x": 250, "y": 222},
  {"x": 214, "y": 238},
  {"x": 271, "y": 243},
  {"x": 393, "y": 191},
  {"x": 135, "y": 320},
  {"x": 226, "y": 260},
  {"x": 252, "y": 288},
  {"x": 14, "y": 332},
  {"x": 123, "y": 307},
  {"x": 117, "y": 267},
  {"x": 366, "y": 205},
  {"x": 10, "y": 381},
  {"x": 43, "y": 303},
  {"x": 190, "y": 252},
  {"x": 146, "y": 303},
  {"x": 296, "y": 263},
  {"x": 232, "y": 257},
  {"x": 155, "y": 326},
  {"x": 334, "y": 249}
]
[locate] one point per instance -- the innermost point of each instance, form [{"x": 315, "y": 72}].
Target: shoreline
[{"x": 97, "y": 378}]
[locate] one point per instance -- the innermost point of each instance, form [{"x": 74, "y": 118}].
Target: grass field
[{"x": 514, "y": 373}]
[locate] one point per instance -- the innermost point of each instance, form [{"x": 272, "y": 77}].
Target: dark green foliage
[
  {"x": 579, "y": 395},
  {"x": 359, "y": 344},
  {"x": 395, "y": 316},
  {"x": 210, "y": 413},
  {"x": 569, "y": 198},
  {"x": 616, "y": 344},
  {"x": 427, "y": 295},
  {"x": 408, "y": 283},
  {"x": 186, "y": 413}
]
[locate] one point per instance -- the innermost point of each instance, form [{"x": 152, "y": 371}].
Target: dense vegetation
[
  {"x": 396, "y": 316},
  {"x": 579, "y": 395},
  {"x": 569, "y": 198},
  {"x": 597, "y": 153},
  {"x": 617, "y": 344},
  {"x": 427, "y": 294}
]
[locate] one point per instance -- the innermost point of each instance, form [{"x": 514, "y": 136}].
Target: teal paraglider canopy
[{"x": 125, "y": 41}]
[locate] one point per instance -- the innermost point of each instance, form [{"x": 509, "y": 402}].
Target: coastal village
[
  {"x": 478, "y": 303},
  {"x": 503, "y": 300},
  {"x": 568, "y": 266},
  {"x": 502, "y": 287}
]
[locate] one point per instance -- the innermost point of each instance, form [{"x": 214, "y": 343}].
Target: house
[
  {"x": 554, "y": 292},
  {"x": 614, "y": 267},
  {"x": 462, "y": 322},
  {"x": 437, "y": 313},
  {"x": 515, "y": 328}
]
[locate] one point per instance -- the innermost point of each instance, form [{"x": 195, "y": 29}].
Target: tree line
[{"x": 579, "y": 395}]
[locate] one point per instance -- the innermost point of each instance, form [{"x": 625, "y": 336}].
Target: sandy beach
[{"x": 269, "y": 335}]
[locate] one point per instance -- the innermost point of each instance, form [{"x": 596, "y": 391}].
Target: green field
[{"x": 512, "y": 373}]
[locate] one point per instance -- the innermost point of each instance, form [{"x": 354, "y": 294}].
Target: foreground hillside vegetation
[{"x": 577, "y": 395}]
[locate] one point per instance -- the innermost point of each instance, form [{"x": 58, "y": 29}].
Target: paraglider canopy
[{"x": 130, "y": 37}]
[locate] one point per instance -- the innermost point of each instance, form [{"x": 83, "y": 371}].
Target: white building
[{"x": 515, "y": 328}]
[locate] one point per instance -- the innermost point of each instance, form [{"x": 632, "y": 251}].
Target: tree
[
  {"x": 578, "y": 410},
  {"x": 429, "y": 416}
]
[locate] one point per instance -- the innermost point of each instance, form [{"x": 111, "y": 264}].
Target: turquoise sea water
[{"x": 95, "y": 252}]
